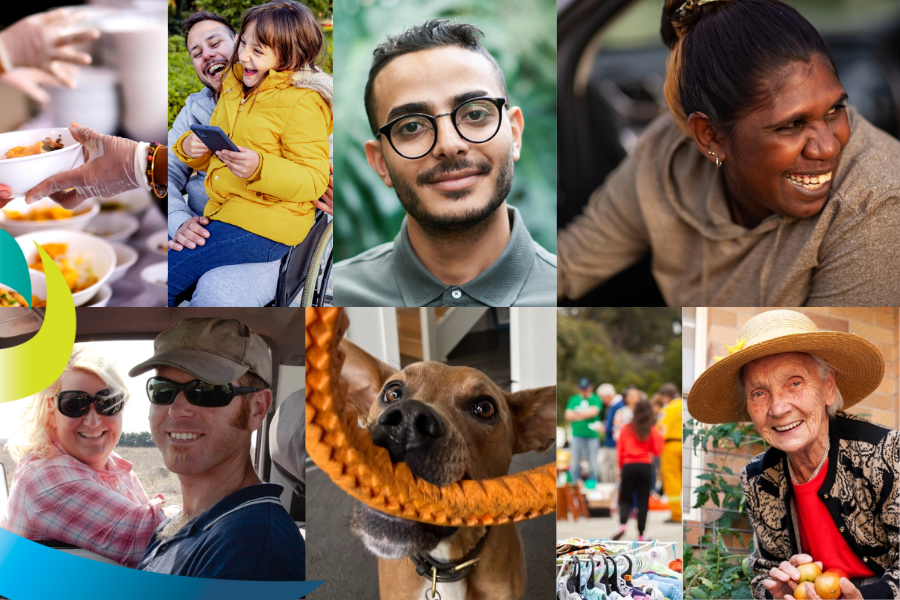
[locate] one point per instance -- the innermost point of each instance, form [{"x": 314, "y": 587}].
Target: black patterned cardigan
[{"x": 860, "y": 491}]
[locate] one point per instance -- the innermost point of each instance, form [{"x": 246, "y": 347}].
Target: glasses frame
[
  {"x": 95, "y": 400},
  {"x": 386, "y": 130},
  {"x": 230, "y": 390}
]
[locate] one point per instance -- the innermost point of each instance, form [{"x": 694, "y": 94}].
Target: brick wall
[{"x": 881, "y": 326}]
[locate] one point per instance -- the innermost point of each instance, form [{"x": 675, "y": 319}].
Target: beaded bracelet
[{"x": 158, "y": 189}]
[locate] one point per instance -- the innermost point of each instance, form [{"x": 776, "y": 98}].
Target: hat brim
[
  {"x": 215, "y": 369},
  {"x": 858, "y": 363}
]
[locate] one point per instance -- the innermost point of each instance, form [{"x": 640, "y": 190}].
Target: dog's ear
[
  {"x": 365, "y": 375},
  {"x": 534, "y": 414}
]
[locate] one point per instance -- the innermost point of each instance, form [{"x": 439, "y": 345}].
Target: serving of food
[
  {"x": 85, "y": 261},
  {"x": 9, "y": 298},
  {"x": 77, "y": 274},
  {"x": 29, "y": 157},
  {"x": 42, "y": 147},
  {"x": 47, "y": 213},
  {"x": 19, "y": 218}
]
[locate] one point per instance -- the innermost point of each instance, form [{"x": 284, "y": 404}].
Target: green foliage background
[
  {"x": 622, "y": 346},
  {"x": 182, "y": 78},
  {"x": 521, "y": 35},
  {"x": 137, "y": 440}
]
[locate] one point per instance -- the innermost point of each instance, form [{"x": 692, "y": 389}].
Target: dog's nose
[{"x": 407, "y": 426}]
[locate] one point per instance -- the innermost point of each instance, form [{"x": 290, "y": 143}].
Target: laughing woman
[
  {"x": 69, "y": 485},
  {"x": 761, "y": 186}
]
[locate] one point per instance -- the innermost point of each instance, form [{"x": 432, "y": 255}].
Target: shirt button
[
  {"x": 866, "y": 559},
  {"x": 842, "y": 530},
  {"x": 244, "y": 100},
  {"x": 163, "y": 547},
  {"x": 228, "y": 92},
  {"x": 826, "y": 496},
  {"x": 217, "y": 177},
  {"x": 456, "y": 294},
  {"x": 259, "y": 193}
]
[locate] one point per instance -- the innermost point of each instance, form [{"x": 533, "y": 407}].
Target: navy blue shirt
[{"x": 247, "y": 535}]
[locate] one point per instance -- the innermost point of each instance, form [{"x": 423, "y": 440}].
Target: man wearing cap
[
  {"x": 827, "y": 489},
  {"x": 210, "y": 392},
  {"x": 582, "y": 411}
]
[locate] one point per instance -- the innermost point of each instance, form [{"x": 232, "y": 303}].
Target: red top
[
  {"x": 826, "y": 544},
  {"x": 632, "y": 450}
]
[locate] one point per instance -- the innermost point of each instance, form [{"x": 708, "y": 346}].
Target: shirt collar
[
  {"x": 499, "y": 285},
  {"x": 261, "y": 492}
]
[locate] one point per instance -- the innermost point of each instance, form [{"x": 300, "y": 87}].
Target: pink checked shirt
[{"x": 104, "y": 511}]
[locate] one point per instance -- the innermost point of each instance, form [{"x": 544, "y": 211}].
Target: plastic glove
[
  {"x": 29, "y": 81},
  {"x": 108, "y": 170},
  {"x": 38, "y": 41}
]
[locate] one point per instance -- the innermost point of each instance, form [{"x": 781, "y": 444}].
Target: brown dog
[{"x": 446, "y": 424}]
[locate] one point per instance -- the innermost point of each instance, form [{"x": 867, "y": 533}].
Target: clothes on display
[{"x": 609, "y": 570}]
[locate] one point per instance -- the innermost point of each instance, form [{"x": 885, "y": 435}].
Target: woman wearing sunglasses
[{"x": 69, "y": 485}]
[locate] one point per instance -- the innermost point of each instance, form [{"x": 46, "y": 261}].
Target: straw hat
[{"x": 859, "y": 365}]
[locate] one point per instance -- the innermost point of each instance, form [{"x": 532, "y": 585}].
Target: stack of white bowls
[
  {"x": 93, "y": 102},
  {"x": 135, "y": 45}
]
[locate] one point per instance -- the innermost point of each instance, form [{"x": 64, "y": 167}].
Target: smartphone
[{"x": 214, "y": 138}]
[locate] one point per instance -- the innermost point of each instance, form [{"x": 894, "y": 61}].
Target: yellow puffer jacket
[{"x": 288, "y": 126}]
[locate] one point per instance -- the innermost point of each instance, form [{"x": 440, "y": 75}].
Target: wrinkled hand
[
  {"x": 326, "y": 203},
  {"x": 5, "y": 192},
  {"x": 108, "y": 170},
  {"x": 194, "y": 147},
  {"x": 29, "y": 81},
  {"x": 39, "y": 41},
  {"x": 190, "y": 234},
  {"x": 243, "y": 163},
  {"x": 783, "y": 580},
  {"x": 848, "y": 591}
]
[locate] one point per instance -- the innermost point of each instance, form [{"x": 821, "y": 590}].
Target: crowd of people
[{"x": 631, "y": 440}]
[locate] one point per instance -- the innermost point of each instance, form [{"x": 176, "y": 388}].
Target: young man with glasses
[
  {"x": 210, "y": 393},
  {"x": 446, "y": 138}
]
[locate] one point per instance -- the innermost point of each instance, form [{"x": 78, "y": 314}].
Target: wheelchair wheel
[{"x": 318, "y": 276}]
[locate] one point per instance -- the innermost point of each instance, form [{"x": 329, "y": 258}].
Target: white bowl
[
  {"x": 84, "y": 213},
  {"x": 157, "y": 277},
  {"x": 38, "y": 285},
  {"x": 102, "y": 297},
  {"x": 133, "y": 201},
  {"x": 22, "y": 174},
  {"x": 98, "y": 255},
  {"x": 159, "y": 242},
  {"x": 113, "y": 226},
  {"x": 126, "y": 256}
]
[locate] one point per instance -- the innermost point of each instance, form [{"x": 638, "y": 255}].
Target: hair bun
[{"x": 680, "y": 16}]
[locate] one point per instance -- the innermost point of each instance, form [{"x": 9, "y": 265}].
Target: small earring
[
  {"x": 710, "y": 152},
  {"x": 718, "y": 164}
]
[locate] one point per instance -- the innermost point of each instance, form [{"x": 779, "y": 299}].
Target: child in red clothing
[{"x": 639, "y": 441}]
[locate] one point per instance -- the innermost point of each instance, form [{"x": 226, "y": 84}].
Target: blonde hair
[{"x": 36, "y": 436}]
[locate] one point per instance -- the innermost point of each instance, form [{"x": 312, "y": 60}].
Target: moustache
[{"x": 483, "y": 168}]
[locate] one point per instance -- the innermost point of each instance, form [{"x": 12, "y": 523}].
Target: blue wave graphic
[{"x": 30, "y": 571}]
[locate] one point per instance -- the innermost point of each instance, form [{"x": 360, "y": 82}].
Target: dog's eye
[
  {"x": 393, "y": 393},
  {"x": 484, "y": 409}
]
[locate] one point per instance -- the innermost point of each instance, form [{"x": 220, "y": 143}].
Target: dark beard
[{"x": 470, "y": 223}]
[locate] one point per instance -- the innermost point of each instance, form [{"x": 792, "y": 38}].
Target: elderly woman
[
  {"x": 761, "y": 186},
  {"x": 69, "y": 485},
  {"x": 827, "y": 489}
]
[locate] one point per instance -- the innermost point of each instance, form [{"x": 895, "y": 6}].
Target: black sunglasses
[
  {"x": 197, "y": 392},
  {"x": 75, "y": 404}
]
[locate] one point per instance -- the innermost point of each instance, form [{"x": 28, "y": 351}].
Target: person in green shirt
[{"x": 583, "y": 410}]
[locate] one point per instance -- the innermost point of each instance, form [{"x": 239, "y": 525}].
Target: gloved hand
[
  {"x": 37, "y": 41},
  {"x": 108, "y": 170},
  {"x": 29, "y": 81}
]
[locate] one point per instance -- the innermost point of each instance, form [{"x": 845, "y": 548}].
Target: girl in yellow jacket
[{"x": 275, "y": 105}]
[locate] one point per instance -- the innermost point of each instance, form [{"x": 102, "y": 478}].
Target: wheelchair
[{"x": 304, "y": 276}]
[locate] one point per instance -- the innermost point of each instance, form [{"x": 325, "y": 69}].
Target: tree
[{"x": 137, "y": 440}]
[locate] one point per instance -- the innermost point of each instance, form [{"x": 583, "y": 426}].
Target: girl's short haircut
[
  {"x": 726, "y": 53},
  {"x": 290, "y": 29},
  {"x": 36, "y": 435}
]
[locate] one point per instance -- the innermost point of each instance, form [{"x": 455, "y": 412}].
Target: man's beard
[{"x": 438, "y": 226}]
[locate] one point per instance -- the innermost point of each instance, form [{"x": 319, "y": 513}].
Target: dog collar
[{"x": 447, "y": 572}]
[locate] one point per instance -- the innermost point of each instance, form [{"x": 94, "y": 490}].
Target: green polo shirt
[
  {"x": 580, "y": 428},
  {"x": 392, "y": 275}
]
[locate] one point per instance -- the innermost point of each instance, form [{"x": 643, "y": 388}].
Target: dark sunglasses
[
  {"x": 75, "y": 404},
  {"x": 197, "y": 392}
]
